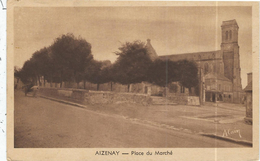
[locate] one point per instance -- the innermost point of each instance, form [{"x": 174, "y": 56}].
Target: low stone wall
[
  {"x": 193, "y": 100},
  {"x": 104, "y": 97},
  {"x": 95, "y": 97},
  {"x": 74, "y": 95},
  {"x": 185, "y": 100}
]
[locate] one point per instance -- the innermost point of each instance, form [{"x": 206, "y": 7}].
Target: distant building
[
  {"x": 249, "y": 99},
  {"x": 220, "y": 69}
]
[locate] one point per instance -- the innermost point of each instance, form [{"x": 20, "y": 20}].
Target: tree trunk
[
  {"x": 190, "y": 92},
  {"x": 111, "y": 86},
  {"x": 97, "y": 87},
  {"x": 84, "y": 83},
  {"x": 51, "y": 82},
  {"x": 44, "y": 81},
  {"x": 39, "y": 80},
  {"x": 128, "y": 87},
  {"x": 61, "y": 73},
  {"x": 33, "y": 80}
]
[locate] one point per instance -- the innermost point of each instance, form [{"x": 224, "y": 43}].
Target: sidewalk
[
  {"x": 224, "y": 121},
  {"x": 233, "y": 127}
]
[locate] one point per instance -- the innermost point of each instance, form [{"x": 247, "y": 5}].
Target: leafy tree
[
  {"x": 27, "y": 73},
  {"x": 98, "y": 72},
  {"x": 17, "y": 72},
  {"x": 70, "y": 56},
  {"x": 43, "y": 63},
  {"x": 163, "y": 72},
  {"x": 188, "y": 73},
  {"x": 132, "y": 63}
]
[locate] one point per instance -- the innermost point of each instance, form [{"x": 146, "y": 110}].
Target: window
[
  {"x": 226, "y": 35},
  {"x": 211, "y": 68},
  {"x": 230, "y": 34},
  {"x": 214, "y": 68},
  {"x": 206, "y": 68}
]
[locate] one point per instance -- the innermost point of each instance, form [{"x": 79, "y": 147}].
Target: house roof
[
  {"x": 248, "y": 87},
  {"x": 216, "y": 76}
]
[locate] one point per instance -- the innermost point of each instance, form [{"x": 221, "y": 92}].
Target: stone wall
[
  {"x": 74, "y": 95},
  {"x": 185, "y": 100},
  {"x": 116, "y": 87},
  {"x": 105, "y": 97},
  {"x": 95, "y": 97}
]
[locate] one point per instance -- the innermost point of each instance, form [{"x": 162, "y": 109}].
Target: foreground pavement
[
  {"x": 218, "y": 120},
  {"x": 44, "y": 123}
]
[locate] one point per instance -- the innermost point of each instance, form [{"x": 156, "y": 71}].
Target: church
[{"x": 220, "y": 70}]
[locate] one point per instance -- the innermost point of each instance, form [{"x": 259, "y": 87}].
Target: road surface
[{"x": 42, "y": 123}]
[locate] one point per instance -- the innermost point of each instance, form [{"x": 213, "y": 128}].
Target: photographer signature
[{"x": 229, "y": 132}]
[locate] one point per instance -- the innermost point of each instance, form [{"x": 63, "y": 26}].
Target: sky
[{"x": 172, "y": 30}]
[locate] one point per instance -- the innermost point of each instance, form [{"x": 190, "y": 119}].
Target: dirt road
[{"x": 42, "y": 123}]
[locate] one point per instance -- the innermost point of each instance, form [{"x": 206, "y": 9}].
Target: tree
[
  {"x": 98, "y": 72},
  {"x": 188, "y": 71},
  {"x": 70, "y": 55},
  {"x": 163, "y": 72},
  {"x": 17, "y": 72},
  {"x": 43, "y": 64},
  {"x": 132, "y": 63},
  {"x": 27, "y": 73}
]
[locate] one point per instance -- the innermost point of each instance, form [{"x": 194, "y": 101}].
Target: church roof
[
  {"x": 229, "y": 22},
  {"x": 194, "y": 56}
]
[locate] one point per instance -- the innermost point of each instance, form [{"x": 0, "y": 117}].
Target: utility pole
[{"x": 201, "y": 87}]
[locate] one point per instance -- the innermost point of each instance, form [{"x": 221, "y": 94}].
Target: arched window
[
  {"x": 210, "y": 68},
  {"x": 214, "y": 68},
  {"x": 230, "y": 34},
  {"x": 218, "y": 68},
  {"x": 226, "y": 35},
  {"x": 206, "y": 68}
]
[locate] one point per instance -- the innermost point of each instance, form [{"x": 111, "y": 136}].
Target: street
[{"x": 42, "y": 123}]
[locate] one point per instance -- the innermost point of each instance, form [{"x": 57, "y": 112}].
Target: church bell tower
[{"x": 230, "y": 49}]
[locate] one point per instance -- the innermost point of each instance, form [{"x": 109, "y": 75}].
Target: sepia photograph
[{"x": 133, "y": 77}]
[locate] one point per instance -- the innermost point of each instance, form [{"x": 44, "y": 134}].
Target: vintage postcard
[{"x": 100, "y": 80}]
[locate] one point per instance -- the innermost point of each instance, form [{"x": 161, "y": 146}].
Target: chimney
[
  {"x": 249, "y": 78},
  {"x": 148, "y": 41}
]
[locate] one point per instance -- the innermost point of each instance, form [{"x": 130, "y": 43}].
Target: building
[
  {"x": 220, "y": 69},
  {"x": 249, "y": 99}
]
